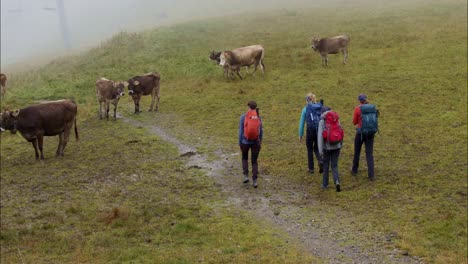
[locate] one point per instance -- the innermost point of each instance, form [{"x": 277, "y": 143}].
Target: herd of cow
[{"x": 58, "y": 117}]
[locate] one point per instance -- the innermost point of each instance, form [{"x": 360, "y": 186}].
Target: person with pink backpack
[{"x": 330, "y": 141}]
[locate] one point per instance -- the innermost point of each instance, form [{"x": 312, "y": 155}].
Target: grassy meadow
[{"x": 97, "y": 205}]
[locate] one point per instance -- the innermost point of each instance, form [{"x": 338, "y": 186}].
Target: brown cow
[
  {"x": 3, "y": 83},
  {"x": 48, "y": 119},
  {"x": 245, "y": 56},
  {"x": 109, "y": 92},
  {"x": 145, "y": 85},
  {"x": 333, "y": 45}
]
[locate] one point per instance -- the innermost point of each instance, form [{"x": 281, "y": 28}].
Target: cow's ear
[
  {"x": 125, "y": 83},
  {"x": 15, "y": 113},
  {"x": 114, "y": 84},
  {"x": 136, "y": 82}
]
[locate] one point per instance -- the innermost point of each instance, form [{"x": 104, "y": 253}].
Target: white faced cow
[
  {"x": 109, "y": 92},
  {"x": 245, "y": 56},
  {"x": 333, "y": 45}
]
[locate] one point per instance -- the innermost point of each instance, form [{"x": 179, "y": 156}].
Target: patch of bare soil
[{"x": 287, "y": 206}]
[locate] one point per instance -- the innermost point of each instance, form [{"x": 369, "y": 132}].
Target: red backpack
[
  {"x": 333, "y": 132},
  {"x": 252, "y": 125}
]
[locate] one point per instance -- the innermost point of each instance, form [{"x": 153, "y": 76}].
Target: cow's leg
[
  {"x": 238, "y": 74},
  {"x": 115, "y": 111},
  {"x": 100, "y": 110},
  {"x": 262, "y": 67},
  {"x": 66, "y": 136},
  {"x": 345, "y": 55},
  {"x": 59, "y": 147},
  {"x": 40, "y": 142},
  {"x": 107, "y": 110},
  {"x": 34, "y": 143},
  {"x": 153, "y": 98}
]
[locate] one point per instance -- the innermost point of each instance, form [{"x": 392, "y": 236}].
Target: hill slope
[{"x": 409, "y": 59}]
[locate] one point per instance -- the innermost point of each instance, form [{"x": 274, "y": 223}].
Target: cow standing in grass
[
  {"x": 228, "y": 71},
  {"x": 145, "y": 85},
  {"x": 109, "y": 92},
  {"x": 326, "y": 46},
  {"x": 3, "y": 83},
  {"x": 243, "y": 57},
  {"x": 48, "y": 119}
]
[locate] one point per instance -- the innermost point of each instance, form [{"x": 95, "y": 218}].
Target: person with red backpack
[
  {"x": 250, "y": 138},
  {"x": 330, "y": 141},
  {"x": 310, "y": 115},
  {"x": 365, "y": 118}
]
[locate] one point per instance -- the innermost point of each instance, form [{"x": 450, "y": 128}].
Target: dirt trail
[{"x": 286, "y": 205}]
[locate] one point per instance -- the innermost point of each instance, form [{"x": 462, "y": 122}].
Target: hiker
[
  {"x": 330, "y": 140},
  {"x": 250, "y": 138},
  {"x": 365, "y": 130},
  {"x": 311, "y": 115}
]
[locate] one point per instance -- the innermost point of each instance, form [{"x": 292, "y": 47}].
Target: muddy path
[{"x": 287, "y": 207}]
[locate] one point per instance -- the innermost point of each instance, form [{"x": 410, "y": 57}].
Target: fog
[{"x": 32, "y": 30}]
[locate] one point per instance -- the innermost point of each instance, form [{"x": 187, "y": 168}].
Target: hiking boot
[
  {"x": 354, "y": 173},
  {"x": 246, "y": 179},
  {"x": 371, "y": 178},
  {"x": 338, "y": 187},
  {"x": 255, "y": 184},
  {"x": 320, "y": 167},
  {"x": 310, "y": 171}
]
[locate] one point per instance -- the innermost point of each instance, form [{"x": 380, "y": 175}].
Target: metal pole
[{"x": 63, "y": 24}]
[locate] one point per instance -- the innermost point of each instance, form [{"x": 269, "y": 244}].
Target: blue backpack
[
  {"x": 313, "y": 113},
  {"x": 370, "y": 121}
]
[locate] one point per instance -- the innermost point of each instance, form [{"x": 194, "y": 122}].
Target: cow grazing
[
  {"x": 3, "y": 83},
  {"x": 333, "y": 45},
  {"x": 109, "y": 92},
  {"x": 227, "y": 69},
  {"x": 245, "y": 56},
  {"x": 48, "y": 119},
  {"x": 145, "y": 85}
]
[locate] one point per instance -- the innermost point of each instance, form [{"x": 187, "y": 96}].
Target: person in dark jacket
[
  {"x": 308, "y": 117},
  {"x": 254, "y": 145}
]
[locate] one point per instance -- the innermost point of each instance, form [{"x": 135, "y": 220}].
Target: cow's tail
[
  {"x": 261, "y": 59},
  {"x": 76, "y": 132}
]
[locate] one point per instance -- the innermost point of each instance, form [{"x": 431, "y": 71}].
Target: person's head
[
  {"x": 252, "y": 105},
  {"x": 310, "y": 98},
  {"x": 362, "y": 98},
  {"x": 325, "y": 109}
]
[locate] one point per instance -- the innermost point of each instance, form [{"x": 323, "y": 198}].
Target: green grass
[
  {"x": 410, "y": 59},
  {"x": 130, "y": 199}
]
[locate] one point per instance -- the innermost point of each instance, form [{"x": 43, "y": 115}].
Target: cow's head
[
  {"x": 224, "y": 58},
  {"x": 8, "y": 121},
  {"x": 314, "y": 43},
  {"x": 214, "y": 56},
  {"x": 132, "y": 86},
  {"x": 120, "y": 87}
]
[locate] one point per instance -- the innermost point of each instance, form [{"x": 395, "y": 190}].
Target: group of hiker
[{"x": 324, "y": 138}]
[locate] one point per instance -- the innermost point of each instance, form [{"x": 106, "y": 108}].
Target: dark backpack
[
  {"x": 333, "y": 133},
  {"x": 370, "y": 121},
  {"x": 313, "y": 113},
  {"x": 252, "y": 124}
]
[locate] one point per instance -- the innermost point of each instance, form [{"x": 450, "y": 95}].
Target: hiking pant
[
  {"x": 330, "y": 157},
  {"x": 255, "y": 150},
  {"x": 312, "y": 146},
  {"x": 368, "y": 140}
]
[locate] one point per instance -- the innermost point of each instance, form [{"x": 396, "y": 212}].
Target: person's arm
[
  {"x": 260, "y": 137},
  {"x": 320, "y": 137},
  {"x": 356, "y": 115},
  {"x": 301, "y": 123},
  {"x": 241, "y": 128}
]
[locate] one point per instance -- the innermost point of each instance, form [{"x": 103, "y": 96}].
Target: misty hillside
[{"x": 124, "y": 194}]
